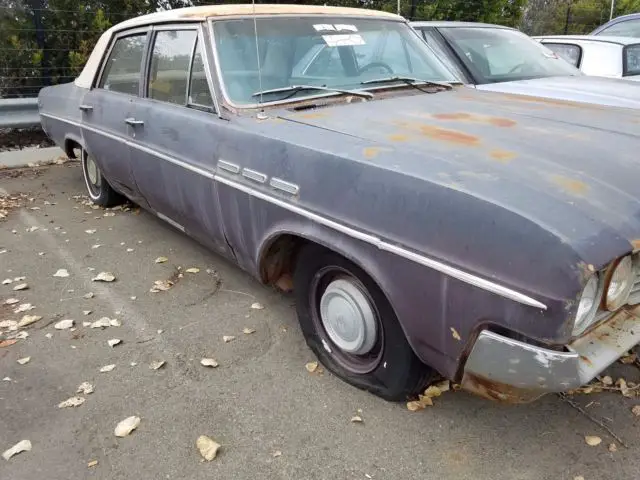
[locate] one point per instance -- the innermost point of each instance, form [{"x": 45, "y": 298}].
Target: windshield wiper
[
  {"x": 409, "y": 81},
  {"x": 293, "y": 89}
]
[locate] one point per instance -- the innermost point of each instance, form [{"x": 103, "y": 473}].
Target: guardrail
[{"x": 19, "y": 113}]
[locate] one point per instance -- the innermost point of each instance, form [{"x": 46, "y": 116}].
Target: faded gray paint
[{"x": 473, "y": 180}]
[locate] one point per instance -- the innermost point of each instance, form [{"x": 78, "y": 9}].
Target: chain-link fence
[{"x": 45, "y": 42}]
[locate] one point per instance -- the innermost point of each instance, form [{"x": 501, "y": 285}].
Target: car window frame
[
  {"x": 580, "y": 50},
  {"x": 105, "y": 58},
  {"x": 452, "y": 60},
  {"x": 625, "y": 72},
  {"x": 199, "y": 40}
]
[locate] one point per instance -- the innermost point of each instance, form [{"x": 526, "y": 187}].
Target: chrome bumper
[{"x": 509, "y": 370}]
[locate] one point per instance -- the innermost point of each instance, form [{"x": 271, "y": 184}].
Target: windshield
[
  {"x": 632, "y": 60},
  {"x": 500, "y": 55},
  {"x": 331, "y": 52}
]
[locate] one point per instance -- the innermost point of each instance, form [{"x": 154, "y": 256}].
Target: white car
[{"x": 602, "y": 56}]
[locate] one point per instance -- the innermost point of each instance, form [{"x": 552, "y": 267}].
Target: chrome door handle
[
  {"x": 133, "y": 122},
  {"x": 86, "y": 108}
]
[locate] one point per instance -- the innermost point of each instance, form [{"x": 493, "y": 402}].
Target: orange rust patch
[
  {"x": 313, "y": 115},
  {"x": 449, "y": 136},
  {"x": 468, "y": 117},
  {"x": 575, "y": 187},
  {"x": 398, "y": 137},
  {"x": 586, "y": 360},
  {"x": 370, "y": 152},
  {"x": 502, "y": 156}
]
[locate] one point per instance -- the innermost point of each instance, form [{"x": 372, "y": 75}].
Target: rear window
[
  {"x": 567, "y": 51},
  {"x": 631, "y": 60},
  {"x": 628, "y": 28}
]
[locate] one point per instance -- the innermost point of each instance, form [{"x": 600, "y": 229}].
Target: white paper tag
[{"x": 343, "y": 40}]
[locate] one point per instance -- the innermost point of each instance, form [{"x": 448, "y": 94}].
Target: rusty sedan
[{"x": 424, "y": 227}]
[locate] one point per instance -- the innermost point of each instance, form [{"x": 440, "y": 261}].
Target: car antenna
[{"x": 261, "y": 115}]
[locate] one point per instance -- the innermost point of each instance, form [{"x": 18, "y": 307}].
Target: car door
[
  {"x": 175, "y": 148},
  {"x": 109, "y": 107}
]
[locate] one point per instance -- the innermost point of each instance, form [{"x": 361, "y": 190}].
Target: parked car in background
[
  {"x": 615, "y": 57},
  {"x": 503, "y": 59},
  {"x": 424, "y": 227},
  {"x": 624, "y": 26}
]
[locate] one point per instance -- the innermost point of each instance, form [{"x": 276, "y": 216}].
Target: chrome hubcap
[
  {"x": 348, "y": 317},
  {"x": 92, "y": 171}
]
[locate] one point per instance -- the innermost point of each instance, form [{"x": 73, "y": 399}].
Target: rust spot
[
  {"x": 586, "y": 360},
  {"x": 313, "y": 115},
  {"x": 551, "y": 101},
  {"x": 571, "y": 185},
  {"x": 449, "y": 136},
  {"x": 398, "y": 137},
  {"x": 502, "y": 156},
  {"x": 469, "y": 117},
  {"x": 371, "y": 152},
  {"x": 498, "y": 391}
]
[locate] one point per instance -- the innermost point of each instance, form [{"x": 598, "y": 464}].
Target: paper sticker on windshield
[
  {"x": 338, "y": 27},
  {"x": 343, "y": 40}
]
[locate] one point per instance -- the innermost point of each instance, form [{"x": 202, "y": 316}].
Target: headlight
[
  {"x": 587, "y": 306},
  {"x": 620, "y": 284}
]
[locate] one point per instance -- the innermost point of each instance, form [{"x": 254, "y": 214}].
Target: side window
[
  {"x": 199, "y": 93},
  {"x": 434, "y": 40},
  {"x": 122, "y": 70},
  {"x": 629, "y": 28},
  {"x": 567, "y": 51},
  {"x": 169, "y": 71}
]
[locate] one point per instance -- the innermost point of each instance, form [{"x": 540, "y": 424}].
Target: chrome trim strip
[
  {"x": 365, "y": 237},
  {"x": 375, "y": 241},
  {"x": 284, "y": 186},
  {"x": 253, "y": 175},
  {"x": 228, "y": 166},
  {"x": 169, "y": 221},
  {"x": 205, "y": 52}
]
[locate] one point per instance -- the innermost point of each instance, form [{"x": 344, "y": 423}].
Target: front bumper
[{"x": 509, "y": 370}]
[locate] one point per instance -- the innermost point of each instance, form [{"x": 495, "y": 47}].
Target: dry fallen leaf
[
  {"x": 21, "y": 446},
  {"x": 24, "y": 361},
  {"x": 114, "y": 322},
  {"x": 636, "y": 410},
  {"x": 126, "y": 426},
  {"x": 257, "y": 306},
  {"x": 22, "y": 335},
  {"x": 624, "y": 388},
  {"x": 607, "y": 380},
  {"x": 7, "y": 281},
  {"x": 592, "y": 440},
  {"x": 161, "y": 286},
  {"x": 311, "y": 367},
  {"x": 209, "y": 362},
  {"x": 104, "y": 322},
  {"x": 113, "y": 342},
  {"x": 192, "y": 270},
  {"x": 71, "y": 402},
  {"x": 455, "y": 334},
  {"x": 276, "y": 454},
  {"x": 208, "y": 447},
  {"x": 414, "y": 406},
  {"x": 107, "y": 368},
  {"x": 161, "y": 260},
  {"x": 104, "y": 277},
  {"x": 92, "y": 463},
  {"x": 248, "y": 331},
  {"x": 87, "y": 312},
  {"x": 28, "y": 320},
  {"x": 64, "y": 324},
  {"x": 156, "y": 364},
  {"x": 228, "y": 338},
  {"x": 356, "y": 419},
  {"x": 425, "y": 401},
  {"x": 432, "y": 392},
  {"x": 91, "y": 232},
  {"x": 23, "y": 307},
  {"x": 613, "y": 447},
  {"x": 85, "y": 388},
  {"x": 10, "y": 324},
  {"x": 89, "y": 295},
  {"x": 62, "y": 273},
  {"x": 629, "y": 359},
  {"x": 579, "y": 477},
  {"x": 11, "y": 301},
  {"x": 48, "y": 335},
  {"x": 22, "y": 286}
]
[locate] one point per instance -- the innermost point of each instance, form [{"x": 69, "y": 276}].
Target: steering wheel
[
  {"x": 518, "y": 67},
  {"x": 377, "y": 64}
]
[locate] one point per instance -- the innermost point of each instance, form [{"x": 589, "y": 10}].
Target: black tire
[
  {"x": 390, "y": 369},
  {"x": 100, "y": 192}
]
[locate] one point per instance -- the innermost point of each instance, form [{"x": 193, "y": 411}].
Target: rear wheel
[
  {"x": 98, "y": 188},
  {"x": 350, "y": 326}
]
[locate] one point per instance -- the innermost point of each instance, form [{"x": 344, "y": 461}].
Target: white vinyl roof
[{"x": 199, "y": 14}]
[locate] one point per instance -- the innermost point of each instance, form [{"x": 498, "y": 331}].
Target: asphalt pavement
[{"x": 272, "y": 418}]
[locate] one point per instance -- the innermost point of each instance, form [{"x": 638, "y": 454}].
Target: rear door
[
  {"x": 174, "y": 153},
  {"x": 109, "y": 107}
]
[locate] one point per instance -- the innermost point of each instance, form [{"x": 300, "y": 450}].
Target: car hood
[
  {"x": 571, "y": 168},
  {"x": 596, "y": 90}
]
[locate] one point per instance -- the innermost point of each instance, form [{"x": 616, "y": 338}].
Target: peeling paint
[
  {"x": 449, "y": 136},
  {"x": 571, "y": 185},
  {"x": 502, "y": 156},
  {"x": 398, "y": 137}
]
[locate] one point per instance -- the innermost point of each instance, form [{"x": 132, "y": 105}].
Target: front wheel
[
  {"x": 351, "y": 327},
  {"x": 100, "y": 192}
]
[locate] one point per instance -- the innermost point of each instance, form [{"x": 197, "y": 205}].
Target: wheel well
[
  {"x": 279, "y": 259},
  {"x": 70, "y": 147}
]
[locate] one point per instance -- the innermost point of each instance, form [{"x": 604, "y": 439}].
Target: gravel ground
[
  {"x": 18, "y": 139},
  {"x": 272, "y": 417}
]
